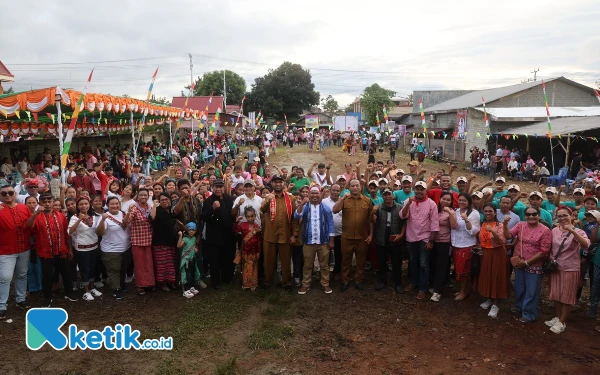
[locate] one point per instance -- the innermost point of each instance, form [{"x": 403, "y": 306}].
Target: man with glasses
[
  {"x": 53, "y": 247},
  {"x": 32, "y": 190},
  {"x": 14, "y": 248}
]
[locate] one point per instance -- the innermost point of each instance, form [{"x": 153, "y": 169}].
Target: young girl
[
  {"x": 250, "y": 250},
  {"x": 114, "y": 190},
  {"x": 188, "y": 269}
]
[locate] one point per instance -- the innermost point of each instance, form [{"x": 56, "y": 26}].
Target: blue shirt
[{"x": 400, "y": 196}]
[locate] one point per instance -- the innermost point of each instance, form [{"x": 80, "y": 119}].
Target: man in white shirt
[
  {"x": 248, "y": 199},
  {"x": 334, "y": 196},
  {"x": 32, "y": 190}
]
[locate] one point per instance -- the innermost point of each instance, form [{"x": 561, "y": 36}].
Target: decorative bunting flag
[
  {"x": 385, "y": 115},
  {"x": 240, "y": 112},
  {"x": 18, "y": 114},
  {"x": 478, "y": 135},
  {"x": 35, "y": 117},
  {"x": 217, "y": 114},
  {"x": 485, "y": 115},
  {"x": 28, "y": 115},
  {"x": 547, "y": 109},
  {"x": 4, "y": 113},
  {"x": 69, "y": 136},
  {"x": 185, "y": 105},
  {"x": 422, "y": 114},
  {"x": 285, "y": 117},
  {"x": 377, "y": 118}
]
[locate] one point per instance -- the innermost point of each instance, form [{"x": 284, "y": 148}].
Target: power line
[{"x": 93, "y": 62}]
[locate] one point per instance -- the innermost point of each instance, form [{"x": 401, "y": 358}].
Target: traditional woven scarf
[
  {"x": 54, "y": 238},
  {"x": 288, "y": 207}
]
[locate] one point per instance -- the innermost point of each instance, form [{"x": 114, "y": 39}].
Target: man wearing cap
[
  {"x": 14, "y": 248},
  {"x": 135, "y": 175},
  {"x": 553, "y": 199},
  {"x": 400, "y": 196},
  {"x": 422, "y": 225},
  {"x": 53, "y": 246},
  {"x": 389, "y": 232},
  {"x": 499, "y": 192},
  {"x": 32, "y": 191},
  {"x": 577, "y": 202},
  {"x": 373, "y": 191},
  {"x": 220, "y": 241},
  {"x": 341, "y": 181},
  {"x": 334, "y": 197},
  {"x": 279, "y": 232},
  {"x": 357, "y": 233},
  {"x": 414, "y": 173},
  {"x": 321, "y": 177},
  {"x": 461, "y": 185},
  {"x": 81, "y": 181},
  {"x": 248, "y": 199},
  {"x": 317, "y": 236},
  {"x": 535, "y": 200}
]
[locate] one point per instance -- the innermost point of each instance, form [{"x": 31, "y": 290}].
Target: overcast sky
[{"x": 347, "y": 45}]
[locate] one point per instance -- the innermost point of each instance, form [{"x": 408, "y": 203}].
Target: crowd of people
[{"x": 100, "y": 229}]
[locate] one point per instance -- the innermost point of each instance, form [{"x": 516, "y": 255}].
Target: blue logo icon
[{"x": 43, "y": 326}]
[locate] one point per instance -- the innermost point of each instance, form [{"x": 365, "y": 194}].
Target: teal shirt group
[
  {"x": 548, "y": 206},
  {"x": 400, "y": 196}
]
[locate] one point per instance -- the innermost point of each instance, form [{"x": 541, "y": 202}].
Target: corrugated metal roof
[
  {"x": 563, "y": 125},
  {"x": 523, "y": 113},
  {"x": 473, "y": 99}
]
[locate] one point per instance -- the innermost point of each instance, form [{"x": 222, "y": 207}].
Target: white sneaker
[
  {"x": 486, "y": 305},
  {"x": 95, "y": 293},
  {"x": 551, "y": 322},
  {"x": 99, "y": 284},
  {"x": 493, "y": 312},
  {"x": 435, "y": 297},
  {"x": 202, "y": 285},
  {"x": 188, "y": 294},
  {"x": 194, "y": 290},
  {"x": 88, "y": 296},
  {"x": 558, "y": 328}
]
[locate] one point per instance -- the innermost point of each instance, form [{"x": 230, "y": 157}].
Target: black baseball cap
[
  {"x": 219, "y": 182},
  {"x": 277, "y": 177}
]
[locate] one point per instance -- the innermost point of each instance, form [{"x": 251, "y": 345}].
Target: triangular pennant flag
[
  {"x": 35, "y": 117},
  {"x": 17, "y": 114},
  {"x": 478, "y": 135},
  {"x": 105, "y": 121},
  {"x": 526, "y": 136},
  {"x": 487, "y": 136},
  {"x": 4, "y": 113},
  {"x": 28, "y": 115}
]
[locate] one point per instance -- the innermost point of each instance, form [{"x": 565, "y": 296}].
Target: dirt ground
[{"x": 270, "y": 332}]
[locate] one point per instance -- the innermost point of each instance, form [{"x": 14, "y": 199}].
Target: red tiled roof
[
  {"x": 232, "y": 107},
  {"x": 4, "y": 71},
  {"x": 199, "y": 103}
]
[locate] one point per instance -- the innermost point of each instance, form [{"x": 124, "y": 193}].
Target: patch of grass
[
  {"x": 213, "y": 313},
  {"x": 270, "y": 336},
  {"x": 169, "y": 367},
  {"x": 229, "y": 367}
]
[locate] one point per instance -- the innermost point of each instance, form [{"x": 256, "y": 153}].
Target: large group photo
[{"x": 242, "y": 214}]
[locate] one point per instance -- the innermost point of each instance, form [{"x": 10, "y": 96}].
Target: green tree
[
  {"x": 285, "y": 90},
  {"x": 372, "y": 100},
  {"x": 212, "y": 82},
  {"x": 330, "y": 105},
  {"x": 350, "y": 107}
]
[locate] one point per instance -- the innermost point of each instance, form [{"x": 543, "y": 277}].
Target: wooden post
[
  {"x": 567, "y": 150},
  {"x": 454, "y": 155}
]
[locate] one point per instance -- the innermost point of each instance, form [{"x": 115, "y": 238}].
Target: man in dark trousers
[{"x": 220, "y": 241}]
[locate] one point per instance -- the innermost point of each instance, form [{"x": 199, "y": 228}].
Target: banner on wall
[
  {"x": 311, "y": 121},
  {"x": 461, "y": 123}
]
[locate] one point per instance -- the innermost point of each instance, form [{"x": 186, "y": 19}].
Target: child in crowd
[
  {"x": 251, "y": 247},
  {"x": 190, "y": 274}
]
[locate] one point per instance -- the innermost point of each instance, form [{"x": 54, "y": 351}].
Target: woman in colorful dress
[
  {"x": 493, "y": 282},
  {"x": 141, "y": 242},
  {"x": 566, "y": 243},
  {"x": 251, "y": 246}
]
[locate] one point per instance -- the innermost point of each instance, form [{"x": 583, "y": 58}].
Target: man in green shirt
[
  {"x": 549, "y": 204},
  {"x": 499, "y": 192},
  {"x": 535, "y": 200},
  {"x": 400, "y": 196}
]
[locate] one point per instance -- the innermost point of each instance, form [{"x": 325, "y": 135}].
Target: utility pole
[
  {"x": 191, "y": 94},
  {"x": 224, "y": 92},
  {"x": 535, "y": 73}
]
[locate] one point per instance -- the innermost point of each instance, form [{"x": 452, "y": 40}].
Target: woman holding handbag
[
  {"x": 566, "y": 242},
  {"x": 531, "y": 249},
  {"x": 493, "y": 276}
]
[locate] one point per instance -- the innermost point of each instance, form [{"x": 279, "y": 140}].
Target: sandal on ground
[{"x": 141, "y": 292}]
